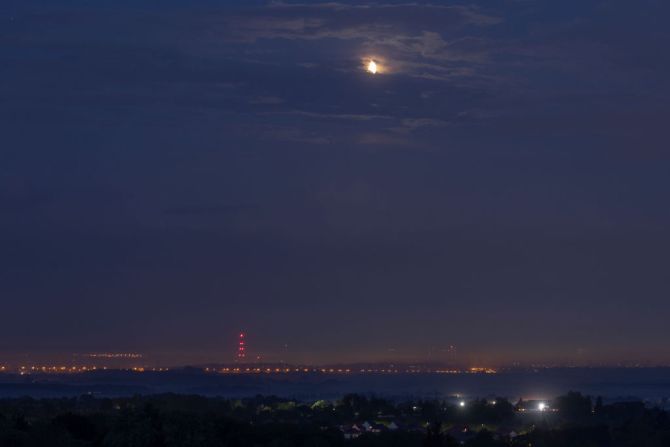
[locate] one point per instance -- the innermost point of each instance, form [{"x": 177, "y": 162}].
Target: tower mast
[{"x": 241, "y": 348}]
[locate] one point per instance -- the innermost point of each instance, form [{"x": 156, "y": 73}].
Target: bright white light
[
  {"x": 461, "y": 403},
  {"x": 372, "y": 67},
  {"x": 542, "y": 406}
]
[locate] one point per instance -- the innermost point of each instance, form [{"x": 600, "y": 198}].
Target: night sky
[{"x": 172, "y": 172}]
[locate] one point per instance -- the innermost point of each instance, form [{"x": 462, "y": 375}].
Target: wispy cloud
[
  {"x": 411, "y": 38},
  {"x": 266, "y": 100}
]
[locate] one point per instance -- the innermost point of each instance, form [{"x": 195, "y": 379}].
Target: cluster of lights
[
  {"x": 61, "y": 369},
  {"x": 268, "y": 370},
  {"x": 480, "y": 370},
  {"x": 411, "y": 371},
  {"x": 541, "y": 407},
  {"x": 237, "y": 370},
  {"x": 143, "y": 369},
  {"x": 432, "y": 371},
  {"x": 57, "y": 369},
  {"x": 115, "y": 355},
  {"x": 257, "y": 370}
]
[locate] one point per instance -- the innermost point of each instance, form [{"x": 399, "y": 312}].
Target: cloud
[
  {"x": 267, "y": 100},
  {"x": 409, "y": 125},
  {"x": 340, "y": 116},
  {"x": 409, "y": 37},
  {"x": 469, "y": 14},
  {"x": 400, "y": 125},
  {"x": 382, "y": 139},
  {"x": 295, "y": 135}
]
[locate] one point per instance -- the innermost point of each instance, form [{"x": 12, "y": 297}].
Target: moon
[{"x": 372, "y": 67}]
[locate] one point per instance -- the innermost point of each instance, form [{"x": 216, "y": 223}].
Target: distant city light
[
  {"x": 542, "y": 406},
  {"x": 223, "y": 369},
  {"x": 113, "y": 355},
  {"x": 461, "y": 403}
]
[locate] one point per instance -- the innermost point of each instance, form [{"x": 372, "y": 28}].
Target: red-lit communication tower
[{"x": 241, "y": 348}]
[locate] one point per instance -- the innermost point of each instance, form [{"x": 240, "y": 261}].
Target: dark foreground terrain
[{"x": 354, "y": 420}]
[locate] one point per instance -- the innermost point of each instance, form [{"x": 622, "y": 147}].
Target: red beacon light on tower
[{"x": 241, "y": 348}]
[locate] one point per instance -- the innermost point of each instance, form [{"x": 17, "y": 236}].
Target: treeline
[{"x": 177, "y": 420}]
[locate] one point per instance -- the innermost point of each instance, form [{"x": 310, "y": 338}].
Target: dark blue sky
[{"x": 171, "y": 172}]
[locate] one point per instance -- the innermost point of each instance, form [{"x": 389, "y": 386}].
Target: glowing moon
[{"x": 372, "y": 67}]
